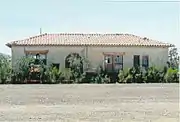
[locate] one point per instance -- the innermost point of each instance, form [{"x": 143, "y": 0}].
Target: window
[
  {"x": 56, "y": 65},
  {"x": 38, "y": 57},
  {"x": 145, "y": 61},
  {"x": 108, "y": 59},
  {"x": 118, "y": 62},
  {"x": 136, "y": 61},
  {"x": 118, "y": 59}
]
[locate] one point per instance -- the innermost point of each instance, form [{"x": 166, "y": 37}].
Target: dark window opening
[
  {"x": 67, "y": 63},
  {"x": 136, "y": 61},
  {"x": 56, "y": 65}
]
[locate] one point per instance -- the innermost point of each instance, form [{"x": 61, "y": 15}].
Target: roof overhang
[
  {"x": 9, "y": 45},
  {"x": 163, "y": 46},
  {"x": 36, "y": 51}
]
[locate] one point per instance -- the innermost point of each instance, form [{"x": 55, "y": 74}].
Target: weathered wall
[{"x": 57, "y": 54}]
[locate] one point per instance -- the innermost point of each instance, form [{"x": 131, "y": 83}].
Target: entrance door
[{"x": 136, "y": 61}]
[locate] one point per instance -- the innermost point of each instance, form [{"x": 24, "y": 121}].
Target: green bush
[
  {"x": 5, "y": 69},
  {"x": 52, "y": 76},
  {"x": 151, "y": 75},
  {"x": 171, "y": 76}
]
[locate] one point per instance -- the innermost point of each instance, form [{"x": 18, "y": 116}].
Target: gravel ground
[{"x": 90, "y": 103}]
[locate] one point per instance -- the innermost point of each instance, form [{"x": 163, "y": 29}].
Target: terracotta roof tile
[{"x": 89, "y": 39}]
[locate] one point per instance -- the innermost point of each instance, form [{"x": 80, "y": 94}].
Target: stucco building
[{"x": 112, "y": 51}]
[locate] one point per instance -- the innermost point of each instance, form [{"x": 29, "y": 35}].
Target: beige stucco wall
[{"x": 57, "y": 54}]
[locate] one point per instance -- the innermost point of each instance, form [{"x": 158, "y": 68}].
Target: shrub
[
  {"x": 171, "y": 76},
  {"x": 121, "y": 76},
  {"x": 100, "y": 76},
  {"x": 150, "y": 75},
  {"x": 52, "y": 76},
  {"x": 5, "y": 69},
  {"x": 67, "y": 76},
  {"x": 21, "y": 69}
]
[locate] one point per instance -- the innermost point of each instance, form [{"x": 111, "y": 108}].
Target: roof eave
[
  {"x": 9, "y": 45},
  {"x": 171, "y": 45},
  {"x": 167, "y": 46}
]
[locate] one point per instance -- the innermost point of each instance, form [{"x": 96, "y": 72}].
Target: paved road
[{"x": 90, "y": 103}]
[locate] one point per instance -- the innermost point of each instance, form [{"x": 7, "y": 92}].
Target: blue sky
[{"x": 23, "y": 18}]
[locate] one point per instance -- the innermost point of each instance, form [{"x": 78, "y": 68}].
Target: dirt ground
[{"x": 90, "y": 103}]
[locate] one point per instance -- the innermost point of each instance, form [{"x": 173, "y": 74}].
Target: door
[{"x": 136, "y": 60}]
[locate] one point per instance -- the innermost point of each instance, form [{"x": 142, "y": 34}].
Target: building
[{"x": 112, "y": 51}]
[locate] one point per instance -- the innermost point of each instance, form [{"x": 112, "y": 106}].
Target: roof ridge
[
  {"x": 40, "y": 35},
  {"x": 83, "y": 38},
  {"x": 77, "y": 33}
]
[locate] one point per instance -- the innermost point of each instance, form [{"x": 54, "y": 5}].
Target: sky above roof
[{"x": 20, "y": 19}]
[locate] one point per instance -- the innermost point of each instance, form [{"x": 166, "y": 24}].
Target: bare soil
[{"x": 90, "y": 103}]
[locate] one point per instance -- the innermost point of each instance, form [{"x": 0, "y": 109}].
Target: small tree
[
  {"x": 5, "y": 68},
  {"x": 173, "y": 58},
  {"x": 21, "y": 69},
  {"x": 76, "y": 65},
  {"x": 25, "y": 68}
]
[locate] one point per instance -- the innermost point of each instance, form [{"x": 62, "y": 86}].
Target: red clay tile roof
[{"x": 88, "y": 39}]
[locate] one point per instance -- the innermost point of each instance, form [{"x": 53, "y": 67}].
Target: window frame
[
  {"x": 108, "y": 57},
  {"x": 32, "y": 55},
  {"x": 56, "y": 65},
  {"x": 120, "y": 61},
  {"x": 139, "y": 63},
  {"x": 145, "y": 63}
]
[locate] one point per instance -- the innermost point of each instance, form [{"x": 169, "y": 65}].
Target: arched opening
[{"x": 73, "y": 61}]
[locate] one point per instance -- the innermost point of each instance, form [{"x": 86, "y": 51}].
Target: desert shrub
[
  {"x": 21, "y": 70},
  {"x": 52, "y": 76},
  {"x": 90, "y": 77},
  {"x": 150, "y": 75},
  {"x": 171, "y": 76},
  {"x": 100, "y": 76},
  {"x": 133, "y": 75},
  {"x": 121, "y": 76},
  {"x": 27, "y": 68},
  {"x": 66, "y": 76}
]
